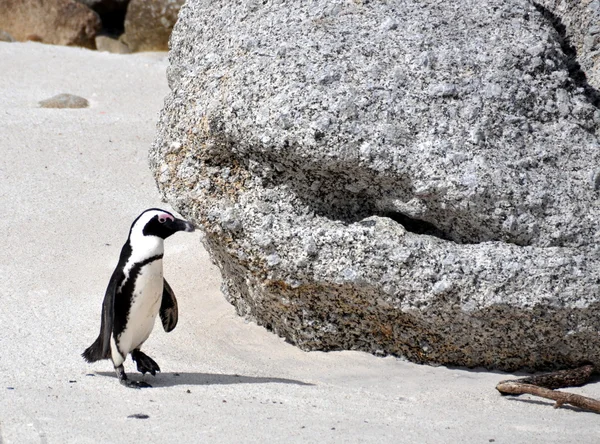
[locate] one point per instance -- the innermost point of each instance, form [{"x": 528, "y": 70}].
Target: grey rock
[
  {"x": 64, "y": 101},
  {"x": 426, "y": 190}
]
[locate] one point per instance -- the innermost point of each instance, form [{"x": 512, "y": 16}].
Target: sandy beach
[{"x": 71, "y": 182}]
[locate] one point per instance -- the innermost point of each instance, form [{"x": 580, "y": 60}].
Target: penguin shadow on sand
[{"x": 170, "y": 379}]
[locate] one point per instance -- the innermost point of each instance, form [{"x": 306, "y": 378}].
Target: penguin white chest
[{"x": 145, "y": 304}]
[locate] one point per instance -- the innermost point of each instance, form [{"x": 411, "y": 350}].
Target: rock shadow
[{"x": 576, "y": 73}]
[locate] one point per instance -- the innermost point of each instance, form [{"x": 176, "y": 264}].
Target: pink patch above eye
[{"x": 163, "y": 217}]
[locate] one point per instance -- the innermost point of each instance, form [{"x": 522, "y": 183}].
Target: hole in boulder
[
  {"x": 417, "y": 226},
  {"x": 112, "y": 15},
  {"x": 113, "y": 22}
]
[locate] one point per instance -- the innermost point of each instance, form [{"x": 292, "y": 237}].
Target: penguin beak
[{"x": 182, "y": 225}]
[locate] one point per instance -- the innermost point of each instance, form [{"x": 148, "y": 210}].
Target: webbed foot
[
  {"x": 145, "y": 363},
  {"x": 127, "y": 382}
]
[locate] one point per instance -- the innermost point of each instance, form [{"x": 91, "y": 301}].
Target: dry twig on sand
[{"x": 542, "y": 386}]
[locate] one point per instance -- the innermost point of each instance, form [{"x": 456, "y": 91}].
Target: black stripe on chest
[{"x": 123, "y": 298}]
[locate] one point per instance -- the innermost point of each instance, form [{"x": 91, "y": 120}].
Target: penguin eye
[{"x": 162, "y": 220}]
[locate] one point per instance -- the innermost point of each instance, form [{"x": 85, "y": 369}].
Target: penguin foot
[
  {"x": 145, "y": 363},
  {"x": 128, "y": 383}
]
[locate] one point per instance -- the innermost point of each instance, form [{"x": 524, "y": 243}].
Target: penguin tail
[{"x": 94, "y": 352}]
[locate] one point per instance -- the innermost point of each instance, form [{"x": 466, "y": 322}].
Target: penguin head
[{"x": 159, "y": 223}]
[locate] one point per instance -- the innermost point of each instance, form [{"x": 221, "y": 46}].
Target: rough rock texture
[
  {"x": 410, "y": 177},
  {"x": 148, "y": 24},
  {"x": 60, "y": 22},
  {"x": 578, "y": 22},
  {"x": 64, "y": 101}
]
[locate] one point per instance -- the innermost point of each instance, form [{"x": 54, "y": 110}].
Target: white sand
[{"x": 71, "y": 181}]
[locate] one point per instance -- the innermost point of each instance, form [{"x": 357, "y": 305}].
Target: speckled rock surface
[
  {"x": 579, "y": 22},
  {"x": 415, "y": 178},
  {"x": 148, "y": 24}
]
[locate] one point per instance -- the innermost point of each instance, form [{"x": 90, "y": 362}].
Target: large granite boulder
[
  {"x": 148, "y": 24},
  {"x": 60, "y": 22},
  {"x": 417, "y": 178}
]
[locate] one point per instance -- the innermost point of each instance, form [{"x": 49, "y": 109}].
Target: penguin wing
[
  {"x": 168, "y": 308},
  {"x": 108, "y": 316},
  {"x": 100, "y": 349}
]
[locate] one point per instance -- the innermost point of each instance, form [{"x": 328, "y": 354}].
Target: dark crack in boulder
[
  {"x": 416, "y": 178},
  {"x": 578, "y": 25}
]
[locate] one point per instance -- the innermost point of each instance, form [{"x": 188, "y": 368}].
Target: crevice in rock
[
  {"x": 112, "y": 15},
  {"x": 113, "y": 22},
  {"x": 418, "y": 226},
  {"x": 576, "y": 74}
]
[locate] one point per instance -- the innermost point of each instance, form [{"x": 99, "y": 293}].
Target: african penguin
[{"x": 136, "y": 293}]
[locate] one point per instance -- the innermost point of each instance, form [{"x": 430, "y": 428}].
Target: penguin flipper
[
  {"x": 100, "y": 349},
  {"x": 169, "y": 313},
  {"x": 108, "y": 316}
]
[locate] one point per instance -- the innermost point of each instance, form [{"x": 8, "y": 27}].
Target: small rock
[
  {"x": 6, "y": 37},
  {"x": 139, "y": 416},
  {"x": 110, "y": 44},
  {"x": 65, "y": 101}
]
